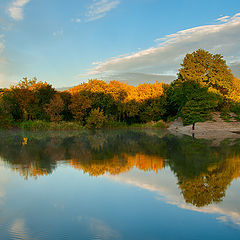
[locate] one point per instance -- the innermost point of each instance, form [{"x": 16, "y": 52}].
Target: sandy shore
[{"x": 217, "y": 129}]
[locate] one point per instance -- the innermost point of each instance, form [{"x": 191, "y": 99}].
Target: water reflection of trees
[
  {"x": 204, "y": 172},
  {"x": 95, "y": 153}
]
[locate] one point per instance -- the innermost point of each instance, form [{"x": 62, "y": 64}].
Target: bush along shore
[{"x": 204, "y": 84}]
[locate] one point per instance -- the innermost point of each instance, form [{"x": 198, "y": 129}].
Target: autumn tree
[
  {"x": 31, "y": 97},
  {"x": 10, "y": 106},
  {"x": 119, "y": 93},
  {"x": 80, "y": 105},
  {"x": 54, "y": 108}
]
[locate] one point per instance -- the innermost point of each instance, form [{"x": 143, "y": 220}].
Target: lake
[{"x": 118, "y": 184}]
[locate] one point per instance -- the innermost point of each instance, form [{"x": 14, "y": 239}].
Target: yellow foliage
[
  {"x": 24, "y": 142},
  {"x": 119, "y": 164}
]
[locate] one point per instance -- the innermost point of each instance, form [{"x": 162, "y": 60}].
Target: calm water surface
[{"x": 119, "y": 184}]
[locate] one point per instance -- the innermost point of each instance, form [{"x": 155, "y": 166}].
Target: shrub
[
  {"x": 96, "y": 119},
  {"x": 6, "y": 121},
  {"x": 35, "y": 125},
  {"x": 160, "y": 124},
  {"x": 235, "y": 108},
  {"x": 225, "y": 116}
]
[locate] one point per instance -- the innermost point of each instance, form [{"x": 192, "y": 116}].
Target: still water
[{"x": 118, "y": 184}]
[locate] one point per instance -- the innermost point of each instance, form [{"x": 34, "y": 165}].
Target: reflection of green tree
[
  {"x": 206, "y": 188},
  {"x": 204, "y": 172},
  {"x": 190, "y": 159}
]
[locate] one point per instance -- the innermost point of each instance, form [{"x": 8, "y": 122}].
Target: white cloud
[
  {"x": 76, "y": 20},
  {"x": 58, "y": 33},
  {"x": 166, "y": 57},
  {"x": 15, "y": 10},
  {"x": 223, "y": 19},
  {"x": 99, "y": 8}
]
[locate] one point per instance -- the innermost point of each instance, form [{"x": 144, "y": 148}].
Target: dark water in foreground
[{"x": 119, "y": 184}]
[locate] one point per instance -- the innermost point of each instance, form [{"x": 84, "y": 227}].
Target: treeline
[
  {"x": 204, "y": 84},
  {"x": 92, "y": 104}
]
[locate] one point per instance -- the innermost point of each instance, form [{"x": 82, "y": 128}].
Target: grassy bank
[
  {"x": 63, "y": 125},
  {"x": 45, "y": 125}
]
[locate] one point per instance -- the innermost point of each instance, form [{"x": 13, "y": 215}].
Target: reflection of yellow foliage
[
  {"x": 211, "y": 186},
  {"x": 211, "y": 168},
  {"x": 30, "y": 171},
  {"x": 24, "y": 142},
  {"x": 117, "y": 164},
  {"x": 113, "y": 166},
  {"x": 145, "y": 162},
  {"x": 234, "y": 164}
]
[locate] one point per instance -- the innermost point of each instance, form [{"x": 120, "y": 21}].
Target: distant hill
[
  {"x": 63, "y": 89},
  {"x": 235, "y": 69},
  {"x": 133, "y": 79}
]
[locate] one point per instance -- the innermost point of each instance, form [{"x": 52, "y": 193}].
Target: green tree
[
  {"x": 208, "y": 70},
  {"x": 67, "y": 98}
]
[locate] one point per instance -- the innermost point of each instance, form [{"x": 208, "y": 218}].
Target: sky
[{"x": 67, "y": 42}]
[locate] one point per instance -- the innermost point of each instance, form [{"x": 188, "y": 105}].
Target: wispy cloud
[
  {"x": 2, "y": 46},
  {"x": 76, "y": 20},
  {"x": 58, "y": 33},
  {"x": 166, "y": 57},
  {"x": 223, "y": 19},
  {"x": 1, "y": 43},
  {"x": 15, "y": 9},
  {"x": 99, "y": 8}
]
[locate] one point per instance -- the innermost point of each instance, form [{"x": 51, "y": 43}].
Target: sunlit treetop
[
  {"x": 31, "y": 84},
  {"x": 208, "y": 70}
]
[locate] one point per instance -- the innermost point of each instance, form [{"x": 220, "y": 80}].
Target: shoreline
[{"x": 216, "y": 129}]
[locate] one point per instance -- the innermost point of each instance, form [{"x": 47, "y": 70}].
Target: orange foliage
[
  {"x": 117, "y": 164},
  {"x": 121, "y": 91},
  {"x": 145, "y": 162},
  {"x": 235, "y": 93}
]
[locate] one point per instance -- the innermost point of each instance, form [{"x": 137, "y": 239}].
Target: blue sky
[{"x": 65, "y": 42}]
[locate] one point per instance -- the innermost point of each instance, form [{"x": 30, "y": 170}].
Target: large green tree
[
  {"x": 204, "y": 84},
  {"x": 208, "y": 70}
]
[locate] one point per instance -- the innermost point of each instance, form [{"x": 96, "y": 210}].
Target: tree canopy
[{"x": 207, "y": 69}]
